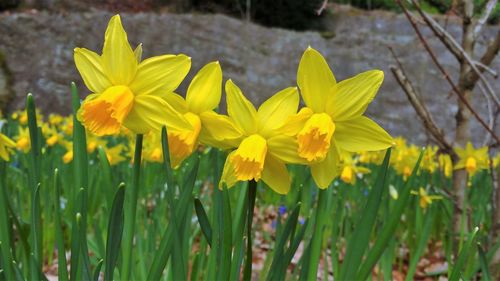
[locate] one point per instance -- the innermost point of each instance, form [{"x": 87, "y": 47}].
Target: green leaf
[
  {"x": 462, "y": 256},
  {"x": 390, "y": 225},
  {"x": 206, "y": 228},
  {"x": 486, "y": 276},
  {"x": 358, "y": 243},
  {"x": 62, "y": 270},
  {"x": 115, "y": 232},
  {"x": 97, "y": 270}
]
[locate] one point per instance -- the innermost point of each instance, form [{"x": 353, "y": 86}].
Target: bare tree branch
[
  {"x": 488, "y": 8},
  {"x": 421, "y": 110},
  {"x": 322, "y": 8},
  {"x": 457, "y": 50},
  {"x": 445, "y": 74}
]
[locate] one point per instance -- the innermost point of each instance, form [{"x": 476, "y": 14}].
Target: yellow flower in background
[
  {"x": 52, "y": 137},
  {"x": 68, "y": 155},
  {"x": 93, "y": 142},
  {"x": 55, "y": 119},
  {"x": 153, "y": 150},
  {"x": 115, "y": 154},
  {"x": 23, "y": 142},
  {"x": 333, "y": 118},
  {"x": 202, "y": 97},
  {"x": 496, "y": 160},
  {"x": 425, "y": 199},
  {"x": 260, "y": 149},
  {"x": 125, "y": 90},
  {"x": 471, "y": 159},
  {"x": 6, "y": 147},
  {"x": 349, "y": 168},
  {"x": 429, "y": 159},
  {"x": 446, "y": 165}
]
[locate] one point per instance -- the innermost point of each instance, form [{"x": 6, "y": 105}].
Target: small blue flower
[{"x": 282, "y": 210}]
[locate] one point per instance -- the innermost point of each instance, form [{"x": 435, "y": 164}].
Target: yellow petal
[
  {"x": 240, "y": 109},
  {"x": 228, "y": 173},
  {"x": 221, "y": 127},
  {"x": 89, "y": 65},
  {"x": 353, "y": 95},
  {"x": 182, "y": 143},
  {"x": 204, "y": 92},
  {"x": 273, "y": 113},
  {"x": 361, "y": 134},
  {"x": 296, "y": 122},
  {"x": 160, "y": 74},
  {"x": 325, "y": 171},
  {"x": 315, "y": 80},
  {"x": 176, "y": 101},
  {"x": 276, "y": 176},
  {"x": 119, "y": 62},
  {"x": 152, "y": 113},
  {"x": 285, "y": 148}
]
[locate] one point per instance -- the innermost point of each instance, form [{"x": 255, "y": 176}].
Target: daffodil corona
[
  {"x": 127, "y": 91},
  {"x": 333, "y": 118}
]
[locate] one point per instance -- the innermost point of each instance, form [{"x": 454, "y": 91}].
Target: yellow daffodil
[
  {"x": 429, "y": 159},
  {"x": 55, "y": 119},
  {"x": 471, "y": 159},
  {"x": 68, "y": 155},
  {"x": 153, "y": 151},
  {"x": 349, "y": 168},
  {"x": 496, "y": 160},
  {"x": 114, "y": 154},
  {"x": 125, "y": 90},
  {"x": 93, "y": 142},
  {"x": 6, "y": 146},
  {"x": 52, "y": 137},
  {"x": 406, "y": 158},
  {"x": 445, "y": 164},
  {"x": 23, "y": 142},
  {"x": 333, "y": 118},
  {"x": 259, "y": 146},
  {"x": 203, "y": 96},
  {"x": 425, "y": 199}
]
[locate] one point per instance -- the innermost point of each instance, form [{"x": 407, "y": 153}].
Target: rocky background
[{"x": 36, "y": 55}]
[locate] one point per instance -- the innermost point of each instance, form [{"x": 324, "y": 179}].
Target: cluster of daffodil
[{"x": 134, "y": 96}]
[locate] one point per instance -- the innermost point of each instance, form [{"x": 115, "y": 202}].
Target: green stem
[
  {"x": 5, "y": 239},
  {"x": 131, "y": 211},
  {"x": 252, "y": 193},
  {"x": 317, "y": 238}
]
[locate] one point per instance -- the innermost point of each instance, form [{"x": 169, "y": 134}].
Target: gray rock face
[{"x": 38, "y": 47}]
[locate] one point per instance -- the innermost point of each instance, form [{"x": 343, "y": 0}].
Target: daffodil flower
[
  {"x": 6, "y": 146},
  {"x": 333, "y": 118},
  {"x": 472, "y": 159},
  {"x": 259, "y": 147},
  {"x": 445, "y": 164},
  {"x": 425, "y": 199},
  {"x": 202, "y": 97},
  {"x": 23, "y": 142},
  {"x": 349, "y": 168},
  {"x": 125, "y": 90}
]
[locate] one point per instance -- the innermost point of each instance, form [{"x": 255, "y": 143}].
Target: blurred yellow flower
[
  {"x": 425, "y": 199},
  {"x": 125, "y": 90},
  {"x": 446, "y": 165},
  {"x": 472, "y": 159},
  {"x": 349, "y": 168},
  {"x": 260, "y": 149},
  {"x": 6, "y": 146},
  {"x": 114, "y": 154},
  {"x": 22, "y": 139},
  {"x": 333, "y": 118}
]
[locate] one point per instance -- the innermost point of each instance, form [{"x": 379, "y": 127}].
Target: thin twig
[
  {"x": 443, "y": 71},
  {"x": 322, "y": 8},
  {"x": 488, "y": 8},
  {"x": 457, "y": 50}
]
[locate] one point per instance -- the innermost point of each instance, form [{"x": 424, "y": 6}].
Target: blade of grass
[
  {"x": 62, "y": 269},
  {"x": 252, "y": 193},
  {"x": 5, "y": 230},
  {"x": 131, "y": 210},
  {"x": 486, "y": 276},
  {"x": 422, "y": 242},
  {"x": 358, "y": 243},
  {"x": 462, "y": 256},
  {"x": 385, "y": 236},
  {"x": 205, "y": 226},
  {"x": 97, "y": 270},
  {"x": 115, "y": 232}
]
